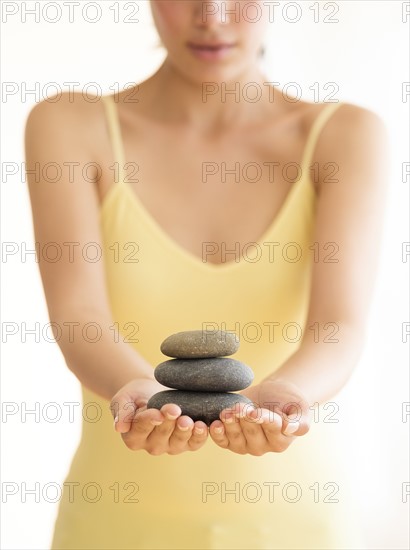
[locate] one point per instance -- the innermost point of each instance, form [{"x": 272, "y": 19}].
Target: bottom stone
[{"x": 198, "y": 405}]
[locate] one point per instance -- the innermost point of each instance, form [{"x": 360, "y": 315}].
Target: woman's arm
[
  {"x": 66, "y": 213},
  {"x": 350, "y": 214}
]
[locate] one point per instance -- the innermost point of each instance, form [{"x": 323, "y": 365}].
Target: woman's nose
[{"x": 210, "y": 13}]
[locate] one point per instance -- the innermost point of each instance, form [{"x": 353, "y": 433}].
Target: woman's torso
[
  {"x": 212, "y": 181},
  {"x": 157, "y": 285}
]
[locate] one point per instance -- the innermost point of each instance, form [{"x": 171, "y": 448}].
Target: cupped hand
[
  {"x": 278, "y": 414},
  {"x": 155, "y": 431}
]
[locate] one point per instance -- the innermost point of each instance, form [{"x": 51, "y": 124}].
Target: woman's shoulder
[
  {"x": 70, "y": 117},
  {"x": 346, "y": 117},
  {"x": 355, "y": 141},
  {"x": 63, "y": 105},
  {"x": 348, "y": 125}
]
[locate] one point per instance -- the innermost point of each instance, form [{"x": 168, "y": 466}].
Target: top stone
[{"x": 196, "y": 344}]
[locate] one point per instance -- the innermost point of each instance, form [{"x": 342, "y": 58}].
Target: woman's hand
[
  {"x": 157, "y": 432},
  {"x": 279, "y": 413}
]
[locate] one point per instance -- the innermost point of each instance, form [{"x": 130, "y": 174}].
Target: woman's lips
[{"x": 210, "y": 51}]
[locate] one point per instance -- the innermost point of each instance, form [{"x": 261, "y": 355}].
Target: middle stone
[{"x": 217, "y": 374}]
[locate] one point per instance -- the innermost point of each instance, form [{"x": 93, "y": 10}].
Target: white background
[{"x": 366, "y": 54}]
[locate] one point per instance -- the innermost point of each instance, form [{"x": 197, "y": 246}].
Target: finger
[
  {"x": 179, "y": 438},
  {"x": 241, "y": 409},
  {"x": 159, "y": 438},
  {"x": 198, "y": 436},
  {"x": 143, "y": 425},
  {"x": 123, "y": 409},
  {"x": 217, "y": 433},
  {"x": 290, "y": 424},
  {"x": 233, "y": 430},
  {"x": 272, "y": 427},
  {"x": 298, "y": 414},
  {"x": 256, "y": 441},
  {"x": 171, "y": 411}
]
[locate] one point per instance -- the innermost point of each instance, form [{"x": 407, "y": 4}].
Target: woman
[{"x": 284, "y": 258}]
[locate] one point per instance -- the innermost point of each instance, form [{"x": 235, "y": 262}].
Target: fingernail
[
  {"x": 115, "y": 421},
  {"x": 183, "y": 428},
  {"x": 156, "y": 422},
  {"x": 258, "y": 418},
  {"x": 199, "y": 431},
  {"x": 229, "y": 418},
  {"x": 270, "y": 416},
  {"x": 219, "y": 430},
  {"x": 291, "y": 428},
  {"x": 172, "y": 416}
]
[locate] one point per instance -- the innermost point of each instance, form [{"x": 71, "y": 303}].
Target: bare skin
[
  {"x": 166, "y": 188},
  {"x": 182, "y": 132}
]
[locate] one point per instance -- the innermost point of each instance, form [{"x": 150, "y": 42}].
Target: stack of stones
[{"x": 201, "y": 374}]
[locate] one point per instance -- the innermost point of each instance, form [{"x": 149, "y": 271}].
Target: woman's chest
[{"x": 225, "y": 190}]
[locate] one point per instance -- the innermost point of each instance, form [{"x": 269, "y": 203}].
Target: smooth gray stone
[
  {"x": 200, "y": 343},
  {"x": 204, "y": 406},
  {"x": 211, "y": 374}
]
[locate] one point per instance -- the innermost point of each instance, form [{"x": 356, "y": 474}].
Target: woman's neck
[{"x": 168, "y": 96}]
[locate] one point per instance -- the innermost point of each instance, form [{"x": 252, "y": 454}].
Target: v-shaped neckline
[{"x": 124, "y": 186}]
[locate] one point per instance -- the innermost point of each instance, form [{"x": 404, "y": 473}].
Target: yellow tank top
[{"x": 212, "y": 498}]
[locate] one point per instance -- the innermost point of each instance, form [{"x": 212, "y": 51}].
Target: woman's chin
[{"x": 201, "y": 74}]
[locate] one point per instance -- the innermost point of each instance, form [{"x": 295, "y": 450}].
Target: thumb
[
  {"x": 290, "y": 423},
  {"x": 296, "y": 420},
  {"x": 123, "y": 409}
]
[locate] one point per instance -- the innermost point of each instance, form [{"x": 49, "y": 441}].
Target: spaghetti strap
[
  {"x": 314, "y": 134},
  {"x": 114, "y": 130}
]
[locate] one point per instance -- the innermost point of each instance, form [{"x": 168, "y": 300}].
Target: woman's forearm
[
  {"x": 98, "y": 356},
  {"x": 320, "y": 369}
]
